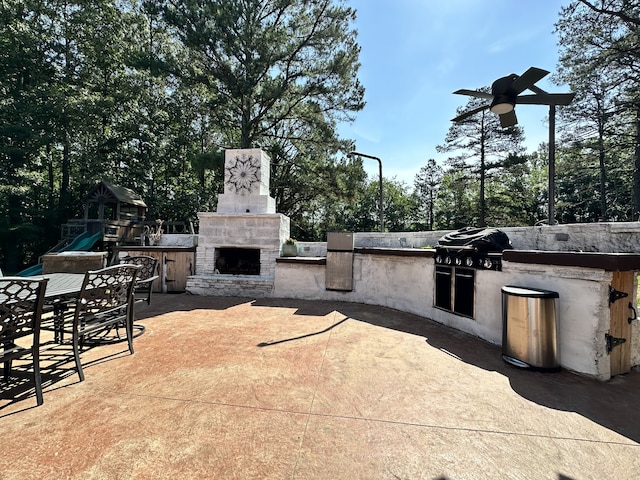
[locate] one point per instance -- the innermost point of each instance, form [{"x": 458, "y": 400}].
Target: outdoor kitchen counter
[
  {"x": 594, "y": 294},
  {"x": 610, "y": 262},
  {"x": 596, "y": 307},
  {"x": 394, "y": 252}
]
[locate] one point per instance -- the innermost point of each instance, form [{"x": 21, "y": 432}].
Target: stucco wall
[{"x": 407, "y": 284}]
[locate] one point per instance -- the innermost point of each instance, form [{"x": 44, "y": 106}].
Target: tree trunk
[
  {"x": 603, "y": 174},
  {"x": 63, "y": 202}
]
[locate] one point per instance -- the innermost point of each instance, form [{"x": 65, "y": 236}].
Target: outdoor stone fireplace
[{"x": 238, "y": 245}]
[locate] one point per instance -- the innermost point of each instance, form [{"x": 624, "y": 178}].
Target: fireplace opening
[{"x": 237, "y": 261}]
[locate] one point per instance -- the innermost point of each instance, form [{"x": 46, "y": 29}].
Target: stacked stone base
[{"x": 230, "y": 286}]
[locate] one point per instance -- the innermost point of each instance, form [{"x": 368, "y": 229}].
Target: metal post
[
  {"x": 552, "y": 163},
  {"x": 380, "y": 204}
]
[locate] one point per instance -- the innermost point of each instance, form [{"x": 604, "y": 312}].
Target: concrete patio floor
[{"x": 234, "y": 388}]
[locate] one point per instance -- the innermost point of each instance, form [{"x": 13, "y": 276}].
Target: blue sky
[{"x": 415, "y": 53}]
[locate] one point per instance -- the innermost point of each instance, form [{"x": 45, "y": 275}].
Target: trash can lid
[{"x": 528, "y": 292}]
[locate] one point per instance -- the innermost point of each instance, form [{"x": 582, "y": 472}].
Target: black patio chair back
[
  {"x": 148, "y": 274},
  {"x": 105, "y": 302},
  {"x": 21, "y": 301}
]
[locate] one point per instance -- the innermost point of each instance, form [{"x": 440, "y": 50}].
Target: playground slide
[
  {"x": 82, "y": 243},
  {"x": 72, "y": 246}
]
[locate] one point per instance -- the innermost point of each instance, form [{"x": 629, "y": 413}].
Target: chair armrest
[{"x": 147, "y": 280}]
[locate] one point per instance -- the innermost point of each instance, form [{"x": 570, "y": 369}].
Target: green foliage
[
  {"x": 600, "y": 60},
  {"x": 482, "y": 149},
  {"x": 148, "y": 95},
  {"x": 426, "y": 185}
]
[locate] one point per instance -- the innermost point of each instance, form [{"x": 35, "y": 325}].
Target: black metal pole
[
  {"x": 552, "y": 163},
  {"x": 380, "y": 200}
]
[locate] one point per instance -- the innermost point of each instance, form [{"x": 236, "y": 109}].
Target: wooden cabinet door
[
  {"x": 178, "y": 266},
  {"x": 619, "y": 328}
]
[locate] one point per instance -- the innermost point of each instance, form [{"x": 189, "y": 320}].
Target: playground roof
[{"x": 108, "y": 193}]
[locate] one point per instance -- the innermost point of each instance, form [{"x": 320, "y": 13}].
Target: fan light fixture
[
  {"x": 501, "y": 105},
  {"x": 504, "y": 96}
]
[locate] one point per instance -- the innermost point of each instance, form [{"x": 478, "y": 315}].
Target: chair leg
[
  {"x": 129, "y": 328},
  {"x": 76, "y": 354},
  {"x": 7, "y": 363},
  {"x": 7, "y": 369},
  {"x": 37, "y": 378}
]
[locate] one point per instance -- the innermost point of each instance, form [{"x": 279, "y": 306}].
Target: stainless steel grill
[{"x": 468, "y": 257}]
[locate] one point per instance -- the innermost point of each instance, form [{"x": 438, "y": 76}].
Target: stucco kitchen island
[{"x": 590, "y": 316}]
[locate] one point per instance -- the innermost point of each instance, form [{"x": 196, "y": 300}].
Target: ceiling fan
[{"x": 505, "y": 94}]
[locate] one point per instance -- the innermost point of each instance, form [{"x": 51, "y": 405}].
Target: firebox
[{"x": 237, "y": 261}]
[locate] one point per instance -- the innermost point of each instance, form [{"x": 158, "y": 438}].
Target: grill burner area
[
  {"x": 237, "y": 261},
  {"x": 468, "y": 257},
  {"x": 470, "y": 247}
]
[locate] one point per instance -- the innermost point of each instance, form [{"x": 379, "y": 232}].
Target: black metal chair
[
  {"x": 21, "y": 301},
  {"x": 146, "y": 277},
  {"x": 144, "y": 282},
  {"x": 105, "y": 302}
]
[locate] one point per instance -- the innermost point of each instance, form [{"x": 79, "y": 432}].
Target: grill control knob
[
  {"x": 469, "y": 261},
  {"x": 487, "y": 263},
  {"x": 447, "y": 260},
  {"x": 458, "y": 261},
  {"x": 438, "y": 259}
]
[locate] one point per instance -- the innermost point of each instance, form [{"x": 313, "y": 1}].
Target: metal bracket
[
  {"x": 615, "y": 295},
  {"x": 613, "y": 342}
]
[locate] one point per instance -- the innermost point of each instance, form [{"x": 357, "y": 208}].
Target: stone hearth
[{"x": 245, "y": 220}]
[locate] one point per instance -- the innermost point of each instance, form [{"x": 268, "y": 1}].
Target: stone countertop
[
  {"x": 303, "y": 260},
  {"x": 612, "y": 262},
  {"x": 398, "y": 252},
  {"x": 605, "y": 261},
  {"x": 157, "y": 248}
]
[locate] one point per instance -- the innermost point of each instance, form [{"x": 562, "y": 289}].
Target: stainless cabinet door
[{"x": 339, "y": 271}]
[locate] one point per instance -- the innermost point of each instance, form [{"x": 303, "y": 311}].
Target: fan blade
[
  {"x": 469, "y": 113},
  {"x": 546, "y": 99},
  {"x": 508, "y": 119},
  {"x": 474, "y": 93},
  {"x": 528, "y": 78}
]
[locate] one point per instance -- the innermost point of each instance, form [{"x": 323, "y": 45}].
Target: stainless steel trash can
[{"x": 529, "y": 328}]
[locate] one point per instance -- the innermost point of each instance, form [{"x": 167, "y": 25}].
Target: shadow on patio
[{"x": 242, "y": 388}]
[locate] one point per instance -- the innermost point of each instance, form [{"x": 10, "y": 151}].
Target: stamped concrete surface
[{"x": 232, "y": 388}]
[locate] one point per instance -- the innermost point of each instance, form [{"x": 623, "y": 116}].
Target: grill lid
[{"x": 481, "y": 239}]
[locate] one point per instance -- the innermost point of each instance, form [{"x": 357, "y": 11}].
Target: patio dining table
[{"x": 63, "y": 285}]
